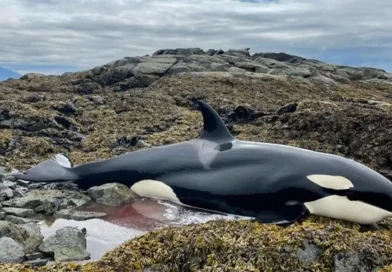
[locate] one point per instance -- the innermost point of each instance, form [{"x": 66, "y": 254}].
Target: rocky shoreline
[
  {"x": 141, "y": 102},
  {"x": 23, "y": 205}
]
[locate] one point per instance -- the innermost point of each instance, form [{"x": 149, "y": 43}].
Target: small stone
[
  {"x": 288, "y": 108},
  {"x": 5, "y": 192},
  {"x": 37, "y": 262},
  {"x": 10, "y": 251},
  {"x": 20, "y": 191},
  {"x": 20, "y": 212},
  {"x": 142, "y": 144},
  {"x": 34, "y": 256},
  {"x": 34, "y": 186},
  {"x": 23, "y": 183}
]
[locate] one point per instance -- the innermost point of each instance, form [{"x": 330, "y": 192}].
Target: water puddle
[{"x": 127, "y": 222}]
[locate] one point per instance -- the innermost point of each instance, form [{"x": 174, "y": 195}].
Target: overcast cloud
[{"x": 55, "y": 36}]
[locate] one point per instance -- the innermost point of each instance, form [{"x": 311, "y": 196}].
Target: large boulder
[
  {"x": 11, "y": 251},
  {"x": 112, "y": 194},
  {"x": 68, "y": 244},
  {"x": 28, "y": 235}
]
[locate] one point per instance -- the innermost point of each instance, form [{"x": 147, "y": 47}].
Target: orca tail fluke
[{"x": 57, "y": 169}]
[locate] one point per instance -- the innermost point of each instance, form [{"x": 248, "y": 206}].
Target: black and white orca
[{"x": 271, "y": 183}]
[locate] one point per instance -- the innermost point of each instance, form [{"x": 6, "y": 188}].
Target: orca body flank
[{"x": 273, "y": 183}]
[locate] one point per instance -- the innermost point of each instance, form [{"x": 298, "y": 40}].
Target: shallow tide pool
[{"x": 127, "y": 222}]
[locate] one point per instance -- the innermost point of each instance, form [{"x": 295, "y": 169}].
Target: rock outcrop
[{"x": 68, "y": 244}]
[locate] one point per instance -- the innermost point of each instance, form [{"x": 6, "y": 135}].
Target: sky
[{"x": 57, "y": 36}]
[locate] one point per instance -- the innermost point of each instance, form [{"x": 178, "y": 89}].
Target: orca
[{"x": 270, "y": 183}]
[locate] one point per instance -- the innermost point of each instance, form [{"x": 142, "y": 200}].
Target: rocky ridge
[{"x": 141, "y": 102}]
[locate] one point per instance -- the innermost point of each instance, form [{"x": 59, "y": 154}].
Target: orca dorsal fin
[{"x": 214, "y": 128}]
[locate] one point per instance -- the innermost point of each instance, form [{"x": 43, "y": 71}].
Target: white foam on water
[{"x": 186, "y": 217}]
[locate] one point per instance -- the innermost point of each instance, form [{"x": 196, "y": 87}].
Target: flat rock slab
[
  {"x": 19, "y": 212},
  {"x": 78, "y": 215},
  {"x": 19, "y": 220}
]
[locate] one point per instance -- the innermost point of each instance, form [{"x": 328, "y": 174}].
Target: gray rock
[
  {"x": 20, "y": 191},
  {"x": 28, "y": 235},
  {"x": 36, "y": 185},
  {"x": 5, "y": 192},
  {"x": 19, "y": 212},
  {"x": 23, "y": 183},
  {"x": 339, "y": 79},
  {"x": 39, "y": 200},
  {"x": 97, "y": 99},
  {"x": 68, "y": 244},
  {"x": 142, "y": 144},
  {"x": 2, "y": 215},
  {"x": 321, "y": 66},
  {"x": 236, "y": 70},
  {"x": 37, "y": 262},
  {"x": 179, "y": 67},
  {"x": 137, "y": 81},
  {"x": 252, "y": 66},
  {"x": 112, "y": 194},
  {"x": 30, "y": 76},
  {"x": 179, "y": 51},
  {"x": 10, "y": 184},
  {"x": 35, "y": 238},
  {"x": 34, "y": 255},
  {"x": 272, "y": 64},
  {"x": 157, "y": 66},
  {"x": 211, "y": 52},
  {"x": 11, "y": 251},
  {"x": 8, "y": 229},
  {"x": 19, "y": 220},
  {"x": 3, "y": 173},
  {"x": 349, "y": 263},
  {"x": 239, "y": 52},
  {"x": 75, "y": 200},
  {"x": 78, "y": 215},
  {"x": 308, "y": 253}
]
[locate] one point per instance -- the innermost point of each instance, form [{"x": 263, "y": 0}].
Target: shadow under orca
[{"x": 271, "y": 183}]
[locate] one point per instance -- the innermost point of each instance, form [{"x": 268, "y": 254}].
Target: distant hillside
[{"x": 5, "y": 74}]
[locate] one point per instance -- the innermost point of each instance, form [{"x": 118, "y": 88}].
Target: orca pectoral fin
[{"x": 286, "y": 214}]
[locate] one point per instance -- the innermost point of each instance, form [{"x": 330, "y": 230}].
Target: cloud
[{"x": 80, "y": 34}]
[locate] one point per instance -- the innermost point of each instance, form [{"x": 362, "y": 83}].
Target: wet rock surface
[
  {"x": 112, "y": 194},
  {"x": 78, "y": 215},
  {"x": 68, "y": 244}
]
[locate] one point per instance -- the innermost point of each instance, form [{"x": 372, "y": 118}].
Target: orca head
[{"x": 355, "y": 193}]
